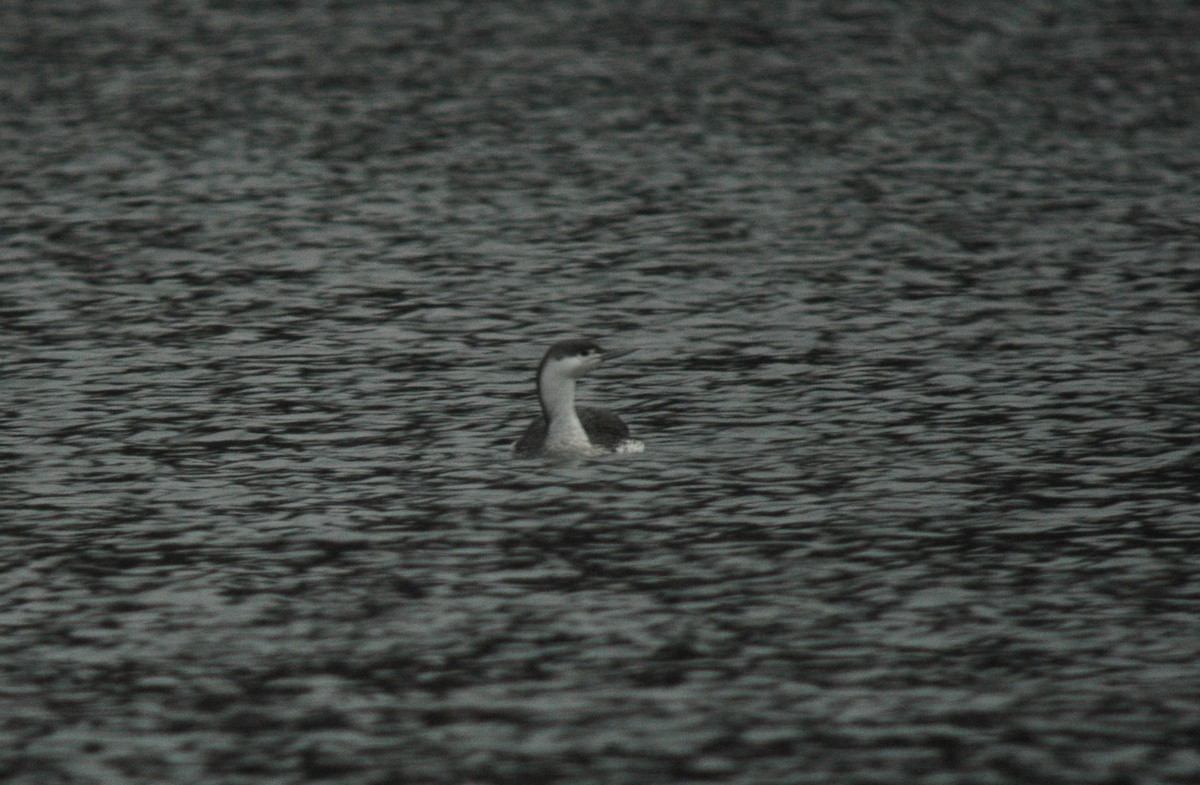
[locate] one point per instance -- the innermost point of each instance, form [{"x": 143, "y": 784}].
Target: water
[{"x": 914, "y": 293}]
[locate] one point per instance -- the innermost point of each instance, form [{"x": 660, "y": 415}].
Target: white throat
[{"x": 564, "y": 431}]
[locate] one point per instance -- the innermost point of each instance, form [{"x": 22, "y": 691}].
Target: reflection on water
[{"x": 917, "y": 379}]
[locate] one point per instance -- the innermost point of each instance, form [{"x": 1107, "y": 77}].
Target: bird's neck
[{"x": 557, "y": 395}]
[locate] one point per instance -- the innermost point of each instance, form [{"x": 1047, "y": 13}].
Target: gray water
[{"x": 915, "y": 290}]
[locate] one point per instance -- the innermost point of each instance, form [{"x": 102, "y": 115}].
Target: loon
[{"x": 563, "y": 429}]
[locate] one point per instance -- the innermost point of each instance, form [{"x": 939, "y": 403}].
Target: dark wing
[
  {"x": 532, "y": 440},
  {"x": 604, "y": 429}
]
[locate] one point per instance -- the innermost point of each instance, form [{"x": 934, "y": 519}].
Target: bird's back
[{"x": 604, "y": 429}]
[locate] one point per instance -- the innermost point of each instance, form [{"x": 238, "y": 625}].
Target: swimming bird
[{"x": 563, "y": 428}]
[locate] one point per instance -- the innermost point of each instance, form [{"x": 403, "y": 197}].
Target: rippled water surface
[{"x": 916, "y": 296}]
